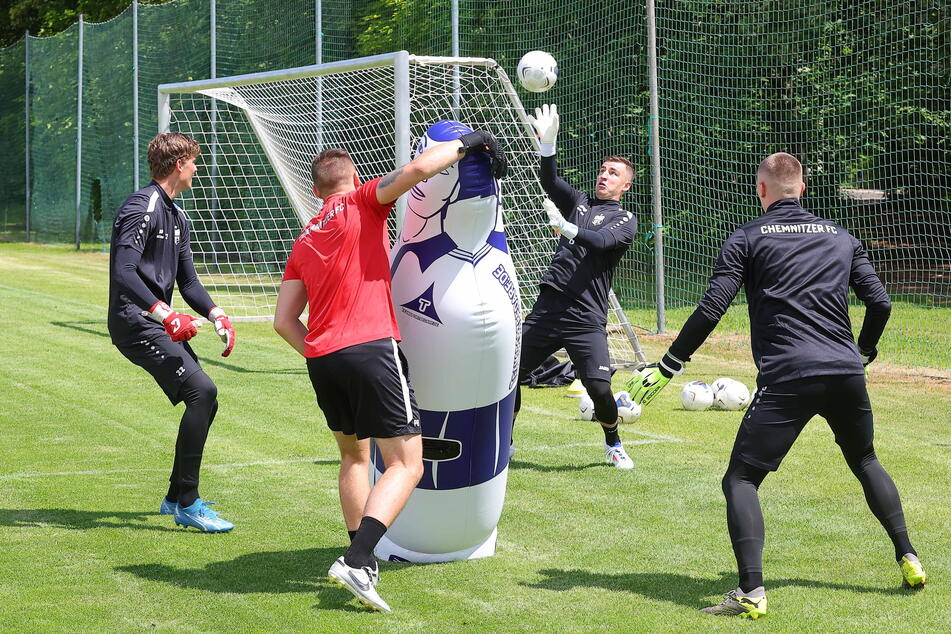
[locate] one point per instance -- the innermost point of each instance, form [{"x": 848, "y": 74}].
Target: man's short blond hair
[
  {"x": 783, "y": 170},
  {"x": 623, "y": 161},
  {"x": 331, "y": 168},
  {"x": 166, "y": 149}
]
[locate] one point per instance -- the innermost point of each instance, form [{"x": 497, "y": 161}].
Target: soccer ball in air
[
  {"x": 729, "y": 394},
  {"x": 537, "y": 71},
  {"x": 696, "y": 396},
  {"x": 627, "y": 410}
]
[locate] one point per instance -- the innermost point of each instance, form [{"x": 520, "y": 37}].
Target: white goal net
[{"x": 259, "y": 133}]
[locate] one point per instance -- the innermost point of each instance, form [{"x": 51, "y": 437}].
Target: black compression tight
[
  {"x": 744, "y": 518},
  {"x": 881, "y": 494},
  {"x": 201, "y": 404}
]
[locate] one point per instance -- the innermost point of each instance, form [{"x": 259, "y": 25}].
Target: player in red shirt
[{"x": 339, "y": 267}]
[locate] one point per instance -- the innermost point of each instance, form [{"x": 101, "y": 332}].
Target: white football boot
[{"x": 615, "y": 454}]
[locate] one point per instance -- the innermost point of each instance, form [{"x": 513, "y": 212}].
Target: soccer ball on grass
[
  {"x": 729, "y": 394},
  {"x": 696, "y": 396},
  {"x": 627, "y": 410}
]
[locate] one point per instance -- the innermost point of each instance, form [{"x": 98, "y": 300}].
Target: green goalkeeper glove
[{"x": 647, "y": 383}]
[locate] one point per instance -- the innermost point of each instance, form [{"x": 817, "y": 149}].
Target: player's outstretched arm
[
  {"x": 435, "y": 160},
  {"x": 725, "y": 283},
  {"x": 648, "y": 382},
  {"x": 291, "y": 300}
]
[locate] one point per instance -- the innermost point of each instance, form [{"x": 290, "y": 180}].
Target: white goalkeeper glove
[
  {"x": 224, "y": 329},
  {"x": 558, "y": 222},
  {"x": 545, "y": 123}
]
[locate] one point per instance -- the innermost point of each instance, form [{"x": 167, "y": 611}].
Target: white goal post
[{"x": 260, "y": 132}]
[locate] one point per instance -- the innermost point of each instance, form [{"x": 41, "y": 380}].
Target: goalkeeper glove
[
  {"x": 646, "y": 384},
  {"x": 224, "y": 329},
  {"x": 482, "y": 141},
  {"x": 868, "y": 355},
  {"x": 558, "y": 222},
  {"x": 545, "y": 123},
  {"x": 179, "y": 326}
]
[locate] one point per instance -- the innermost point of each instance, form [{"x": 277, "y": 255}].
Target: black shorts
[
  {"x": 169, "y": 362},
  {"x": 780, "y": 411},
  {"x": 586, "y": 345},
  {"x": 364, "y": 390}
]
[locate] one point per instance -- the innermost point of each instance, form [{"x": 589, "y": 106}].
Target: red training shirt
[{"x": 343, "y": 258}]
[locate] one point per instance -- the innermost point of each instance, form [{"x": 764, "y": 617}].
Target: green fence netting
[
  {"x": 859, "y": 90},
  {"x": 13, "y": 130}
]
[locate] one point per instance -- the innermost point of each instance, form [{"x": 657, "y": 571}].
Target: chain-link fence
[{"x": 860, "y": 91}]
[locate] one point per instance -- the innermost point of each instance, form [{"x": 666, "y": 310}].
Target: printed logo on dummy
[{"x": 422, "y": 308}]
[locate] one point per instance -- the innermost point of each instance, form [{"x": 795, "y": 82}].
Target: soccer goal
[{"x": 259, "y": 133}]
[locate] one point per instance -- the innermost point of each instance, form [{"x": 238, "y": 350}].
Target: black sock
[
  {"x": 749, "y": 581},
  {"x": 172, "y": 495},
  {"x": 188, "y": 498},
  {"x": 611, "y": 437},
  {"x": 902, "y": 545},
  {"x": 352, "y": 534},
  {"x": 360, "y": 553}
]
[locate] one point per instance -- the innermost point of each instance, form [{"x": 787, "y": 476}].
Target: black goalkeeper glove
[
  {"x": 868, "y": 355},
  {"x": 482, "y": 141}
]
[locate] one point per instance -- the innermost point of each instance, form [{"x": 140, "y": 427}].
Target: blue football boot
[
  {"x": 168, "y": 508},
  {"x": 200, "y": 516}
]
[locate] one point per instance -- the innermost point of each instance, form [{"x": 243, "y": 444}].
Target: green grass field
[{"x": 582, "y": 546}]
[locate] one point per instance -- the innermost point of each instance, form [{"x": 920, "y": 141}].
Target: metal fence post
[
  {"x": 456, "y": 84},
  {"x": 79, "y": 135},
  {"x": 135, "y": 94},
  {"x": 26, "y": 94},
  {"x": 655, "y": 166},
  {"x": 213, "y": 168},
  {"x": 401, "y": 123},
  {"x": 319, "y": 31}
]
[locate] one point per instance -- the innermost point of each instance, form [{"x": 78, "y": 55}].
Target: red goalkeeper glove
[
  {"x": 179, "y": 326},
  {"x": 224, "y": 329}
]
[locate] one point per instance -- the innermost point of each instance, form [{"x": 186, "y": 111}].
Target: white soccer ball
[
  {"x": 729, "y": 394},
  {"x": 627, "y": 410},
  {"x": 696, "y": 396},
  {"x": 537, "y": 71},
  {"x": 585, "y": 407}
]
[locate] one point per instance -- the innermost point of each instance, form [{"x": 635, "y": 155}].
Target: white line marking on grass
[
  {"x": 625, "y": 430},
  {"x": 642, "y": 441},
  {"x": 233, "y": 465},
  {"x": 652, "y": 439}
]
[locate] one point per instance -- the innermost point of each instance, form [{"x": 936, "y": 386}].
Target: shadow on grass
[
  {"x": 77, "y": 520},
  {"x": 102, "y": 331},
  {"x": 534, "y": 466},
  {"x": 276, "y": 572},
  {"x": 692, "y": 592}
]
